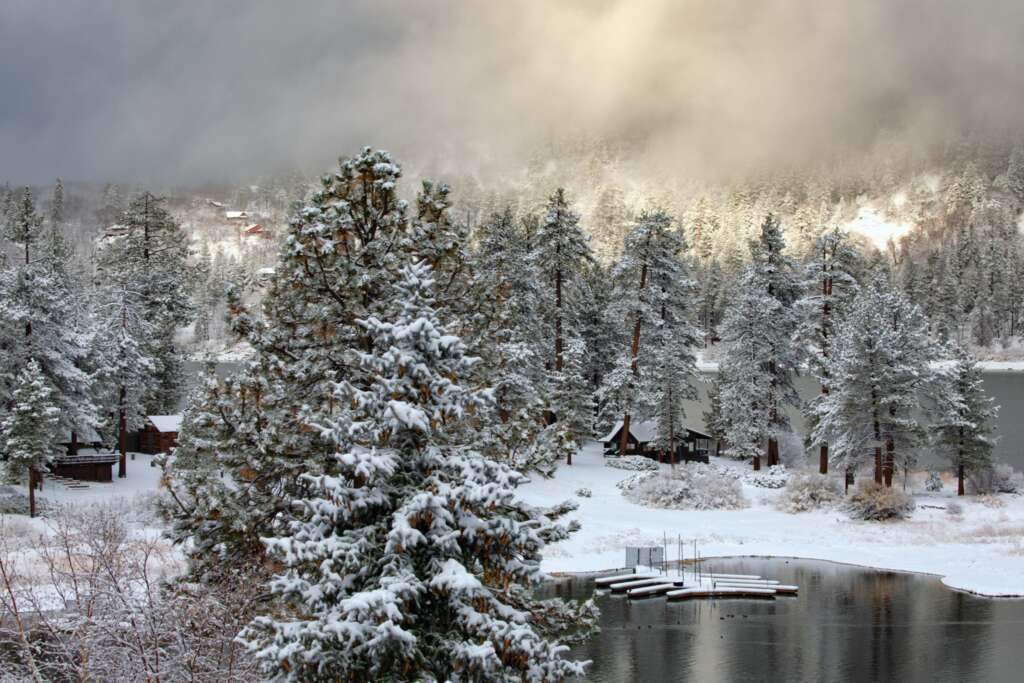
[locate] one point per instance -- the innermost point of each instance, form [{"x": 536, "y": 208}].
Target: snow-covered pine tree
[
  {"x": 1015, "y": 174},
  {"x": 758, "y": 331},
  {"x": 44, "y": 320},
  {"x": 650, "y": 263},
  {"x": 964, "y": 417},
  {"x": 829, "y": 285},
  {"x": 572, "y": 395},
  {"x": 30, "y": 428},
  {"x": 149, "y": 248},
  {"x": 710, "y": 299},
  {"x": 123, "y": 365},
  {"x": 879, "y": 378},
  {"x": 411, "y": 558},
  {"x": 744, "y": 383},
  {"x": 506, "y": 337},
  {"x": 673, "y": 367},
  {"x": 337, "y": 265},
  {"x": 560, "y": 250},
  {"x": 57, "y": 205}
]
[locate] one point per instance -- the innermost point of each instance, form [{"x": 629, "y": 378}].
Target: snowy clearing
[{"x": 980, "y": 550}]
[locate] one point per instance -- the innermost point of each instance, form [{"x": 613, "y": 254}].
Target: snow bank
[{"x": 981, "y": 551}]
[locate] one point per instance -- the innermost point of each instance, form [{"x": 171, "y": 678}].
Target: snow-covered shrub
[
  {"x": 772, "y": 478},
  {"x": 809, "y": 491},
  {"x": 633, "y": 463},
  {"x": 991, "y": 501},
  {"x": 634, "y": 479},
  {"x": 874, "y": 502},
  {"x": 584, "y": 492},
  {"x": 954, "y": 509},
  {"x": 691, "y": 487},
  {"x": 934, "y": 483},
  {"x": 999, "y": 478}
]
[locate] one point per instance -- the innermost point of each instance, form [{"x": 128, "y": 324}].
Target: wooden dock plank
[
  {"x": 648, "y": 591},
  {"x": 605, "y": 581},
  {"x": 626, "y": 585}
]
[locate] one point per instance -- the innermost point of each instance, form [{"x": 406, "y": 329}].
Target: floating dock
[
  {"x": 651, "y": 591},
  {"x": 707, "y": 591},
  {"x": 642, "y": 583},
  {"x": 605, "y": 581},
  {"x": 689, "y": 586}
]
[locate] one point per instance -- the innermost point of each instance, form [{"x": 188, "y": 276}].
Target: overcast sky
[{"x": 194, "y": 90}]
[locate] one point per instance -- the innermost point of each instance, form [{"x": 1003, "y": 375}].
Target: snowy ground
[
  {"x": 982, "y": 552},
  {"x": 131, "y": 499}
]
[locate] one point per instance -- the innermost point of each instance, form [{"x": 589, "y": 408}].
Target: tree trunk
[
  {"x": 757, "y": 462},
  {"x": 558, "y": 320},
  {"x": 634, "y": 360},
  {"x": 624, "y": 436},
  {"x": 773, "y": 451},
  {"x": 73, "y": 449},
  {"x": 122, "y": 428},
  {"x": 960, "y": 480},
  {"x": 823, "y": 459},
  {"x": 890, "y": 463},
  {"x": 32, "y": 491},
  {"x": 878, "y": 464}
]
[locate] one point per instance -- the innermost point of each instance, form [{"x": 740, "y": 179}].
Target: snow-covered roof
[
  {"x": 644, "y": 432},
  {"x": 165, "y": 423},
  {"x": 84, "y": 434},
  {"x": 236, "y": 214}
]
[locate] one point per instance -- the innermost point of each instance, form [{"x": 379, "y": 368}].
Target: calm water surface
[{"x": 848, "y": 624}]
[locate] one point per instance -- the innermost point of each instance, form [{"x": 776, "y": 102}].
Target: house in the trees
[
  {"x": 83, "y": 437},
  {"x": 160, "y": 433},
  {"x": 85, "y": 458},
  {"x": 695, "y": 446},
  {"x": 640, "y": 439},
  {"x": 255, "y": 230},
  {"x": 237, "y": 215}
]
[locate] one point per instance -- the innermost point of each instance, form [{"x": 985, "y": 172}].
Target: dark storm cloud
[{"x": 194, "y": 90}]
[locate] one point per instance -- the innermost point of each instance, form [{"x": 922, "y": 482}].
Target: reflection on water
[{"x": 848, "y": 624}]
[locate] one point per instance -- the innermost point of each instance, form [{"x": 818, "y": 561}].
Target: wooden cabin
[
  {"x": 695, "y": 446},
  {"x": 255, "y": 230},
  {"x": 160, "y": 433},
  {"x": 90, "y": 466},
  {"x": 641, "y": 438}
]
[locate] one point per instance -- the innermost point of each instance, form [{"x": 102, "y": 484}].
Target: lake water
[{"x": 847, "y": 624}]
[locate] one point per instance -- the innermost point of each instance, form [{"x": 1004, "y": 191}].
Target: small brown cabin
[
  {"x": 160, "y": 433},
  {"x": 694, "y": 447},
  {"x": 85, "y": 466}
]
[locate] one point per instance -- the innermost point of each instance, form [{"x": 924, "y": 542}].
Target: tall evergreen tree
[
  {"x": 560, "y": 250},
  {"x": 830, "y": 284},
  {"x": 963, "y": 428},
  {"x": 30, "y": 428},
  {"x": 347, "y": 444},
  {"x": 758, "y": 331},
  {"x": 879, "y": 378},
  {"x": 409, "y": 532},
  {"x": 149, "y": 249},
  {"x": 57, "y": 205},
  {"x": 652, "y": 297}
]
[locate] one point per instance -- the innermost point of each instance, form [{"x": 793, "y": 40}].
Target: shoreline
[
  {"x": 978, "y": 551},
  {"x": 597, "y": 573}
]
